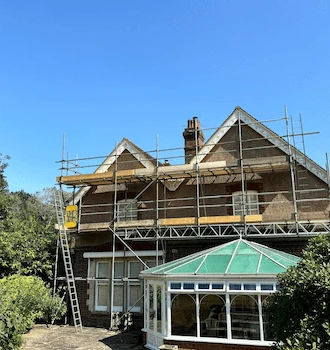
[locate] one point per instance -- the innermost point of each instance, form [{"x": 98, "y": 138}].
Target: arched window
[
  {"x": 250, "y": 198},
  {"x": 265, "y": 319},
  {"x": 244, "y": 317},
  {"x": 183, "y": 320},
  {"x": 213, "y": 322}
]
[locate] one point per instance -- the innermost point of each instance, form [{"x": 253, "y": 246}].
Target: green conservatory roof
[{"x": 239, "y": 257}]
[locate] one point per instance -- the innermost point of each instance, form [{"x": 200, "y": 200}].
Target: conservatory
[{"x": 214, "y": 296}]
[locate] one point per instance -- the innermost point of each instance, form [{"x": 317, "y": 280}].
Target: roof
[
  {"x": 148, "y": 161},
  {"x": 267, "y": 133},
  {"x": 125, "y": 144},
  {"x": 239, "y": 257}
]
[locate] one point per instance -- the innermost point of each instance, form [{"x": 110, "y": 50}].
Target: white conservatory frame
[{"x": 156, "y": 339}]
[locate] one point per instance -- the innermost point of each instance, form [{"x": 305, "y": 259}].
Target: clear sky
[{"x": 103, "y": 70}]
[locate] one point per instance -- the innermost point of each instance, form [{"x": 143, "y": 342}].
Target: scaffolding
[{"x": 160, "y": 218}]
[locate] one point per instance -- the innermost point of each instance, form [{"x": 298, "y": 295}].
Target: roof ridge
[{"x": 232, "y": 256}]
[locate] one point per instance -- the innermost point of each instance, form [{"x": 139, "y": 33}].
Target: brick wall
[
  {"x": 215, "y": 346},
  {"x": 208, "y": 346}
]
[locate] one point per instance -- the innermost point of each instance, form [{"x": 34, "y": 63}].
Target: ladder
[{"x": 63, "y": 238}]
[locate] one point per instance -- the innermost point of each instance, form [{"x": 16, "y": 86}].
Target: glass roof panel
[
  {"x": 226, "y": 249},
  {"x": 215, "y": 261},
  {"x": 189, "y": 268},
  {"x": 215, "y": 264},
  {"x": 283, "y": 258},
  {"x": 268, "y": 266},
  {"x": 244, "y": 263},
  {"x": 245, "y": 249}
]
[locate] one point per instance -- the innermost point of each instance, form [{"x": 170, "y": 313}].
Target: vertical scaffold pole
[
  {"x": 63, "y": 151},
  {"x": 241, "y": 163},
  {"x": 293, "y": 182},
  {"x": 157, "y": 204},
  {"x": 328, "y": 172},
  {"x": 197, "y": 177},
  {"x": 112, "y": 282}
]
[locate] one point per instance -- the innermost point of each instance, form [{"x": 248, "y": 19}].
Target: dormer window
[{"x": 251, "y": 203}]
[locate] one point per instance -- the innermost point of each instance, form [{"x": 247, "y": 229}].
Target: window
[
  {"x": 267, "y": 287},
  {"x": 265, "y": 319},
  {"x": 213, "y": 322},
  {"x": 251, "y": 203},
  {"x": 188, "y": 286},
  {"x": 127, "y": 210},
  {"x": 202, "y": 286},
  {"x": 175, "y": 285},
  {"x": 102, "y": 286},
  {"x": 183, "y": 320},
  {"x": 244, "y": 317},
  {"x": 127, "y": 287},
  {"x": 118, "y": 295},
  {"x": 134, "y": 286}
]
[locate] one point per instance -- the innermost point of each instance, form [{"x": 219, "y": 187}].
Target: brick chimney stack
[{"x": 192, "y": 134}]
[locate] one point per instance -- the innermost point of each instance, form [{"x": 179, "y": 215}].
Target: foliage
[
  {"x": 23, "y": 299},
  {"x": 3, "y": 166},
  {"x": 299, "y": 313},
  {"x": 27, "y": 235}
]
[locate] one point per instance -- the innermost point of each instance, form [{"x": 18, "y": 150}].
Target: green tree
[
  {"x": 23, "y": 299},
  {"x": 3, "y": 166},
  {"x": 27, "y": 230},
  {"x": 27, "y": 236},
  {"x": 3, "y": 188},
  {"x": 299, "y": 313}
]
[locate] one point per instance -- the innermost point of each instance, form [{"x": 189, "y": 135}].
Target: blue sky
[{"x": 100, "y": 71}]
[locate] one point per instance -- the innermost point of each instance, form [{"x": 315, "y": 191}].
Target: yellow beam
[
  {"x": 205, "y": 220},
  {"x": 136, "y": 175}
]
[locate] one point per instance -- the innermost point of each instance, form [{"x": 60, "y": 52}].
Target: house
[{"x": 142, "y": 209}]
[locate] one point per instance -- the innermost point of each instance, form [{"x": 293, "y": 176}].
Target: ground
[{"x": 66, "y": 338}]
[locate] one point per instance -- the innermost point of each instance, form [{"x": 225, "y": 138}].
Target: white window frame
[
  {"x": 251, "y": 206},
  {"x": 133, "y": 282},
  {"x": 127, "y": 210},
  {"x": 119, "y": 282},
  {"x": 101, "y": 282},
  {"x": 256, "y": 294},
  {"x": 136, "y": 282}
]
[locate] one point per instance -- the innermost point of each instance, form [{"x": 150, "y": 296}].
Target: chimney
[{"x": 192, "y": 134}]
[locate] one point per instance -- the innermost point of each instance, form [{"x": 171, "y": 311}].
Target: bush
[
  {"x": 23, "y": 299},
  {"x": 299, "y": 314}
]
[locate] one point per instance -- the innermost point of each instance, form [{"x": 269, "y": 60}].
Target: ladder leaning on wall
[{"x": 63, "y": 238}]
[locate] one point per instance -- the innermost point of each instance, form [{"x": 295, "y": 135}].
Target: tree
[
  {"x": 299, "y": 314},
  {"x": 27, "y": 236},
  {"x": 3, "y": 166}
]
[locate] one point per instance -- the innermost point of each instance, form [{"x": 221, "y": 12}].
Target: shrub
[
  {"x": 23, "y": 299},
  {"x": 299, "y": 314}
]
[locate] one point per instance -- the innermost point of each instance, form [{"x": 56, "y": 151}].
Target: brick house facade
[{"x": 138, "y": 209}]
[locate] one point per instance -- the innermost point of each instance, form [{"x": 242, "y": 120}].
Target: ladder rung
[{"x": 59, "y": 205}]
